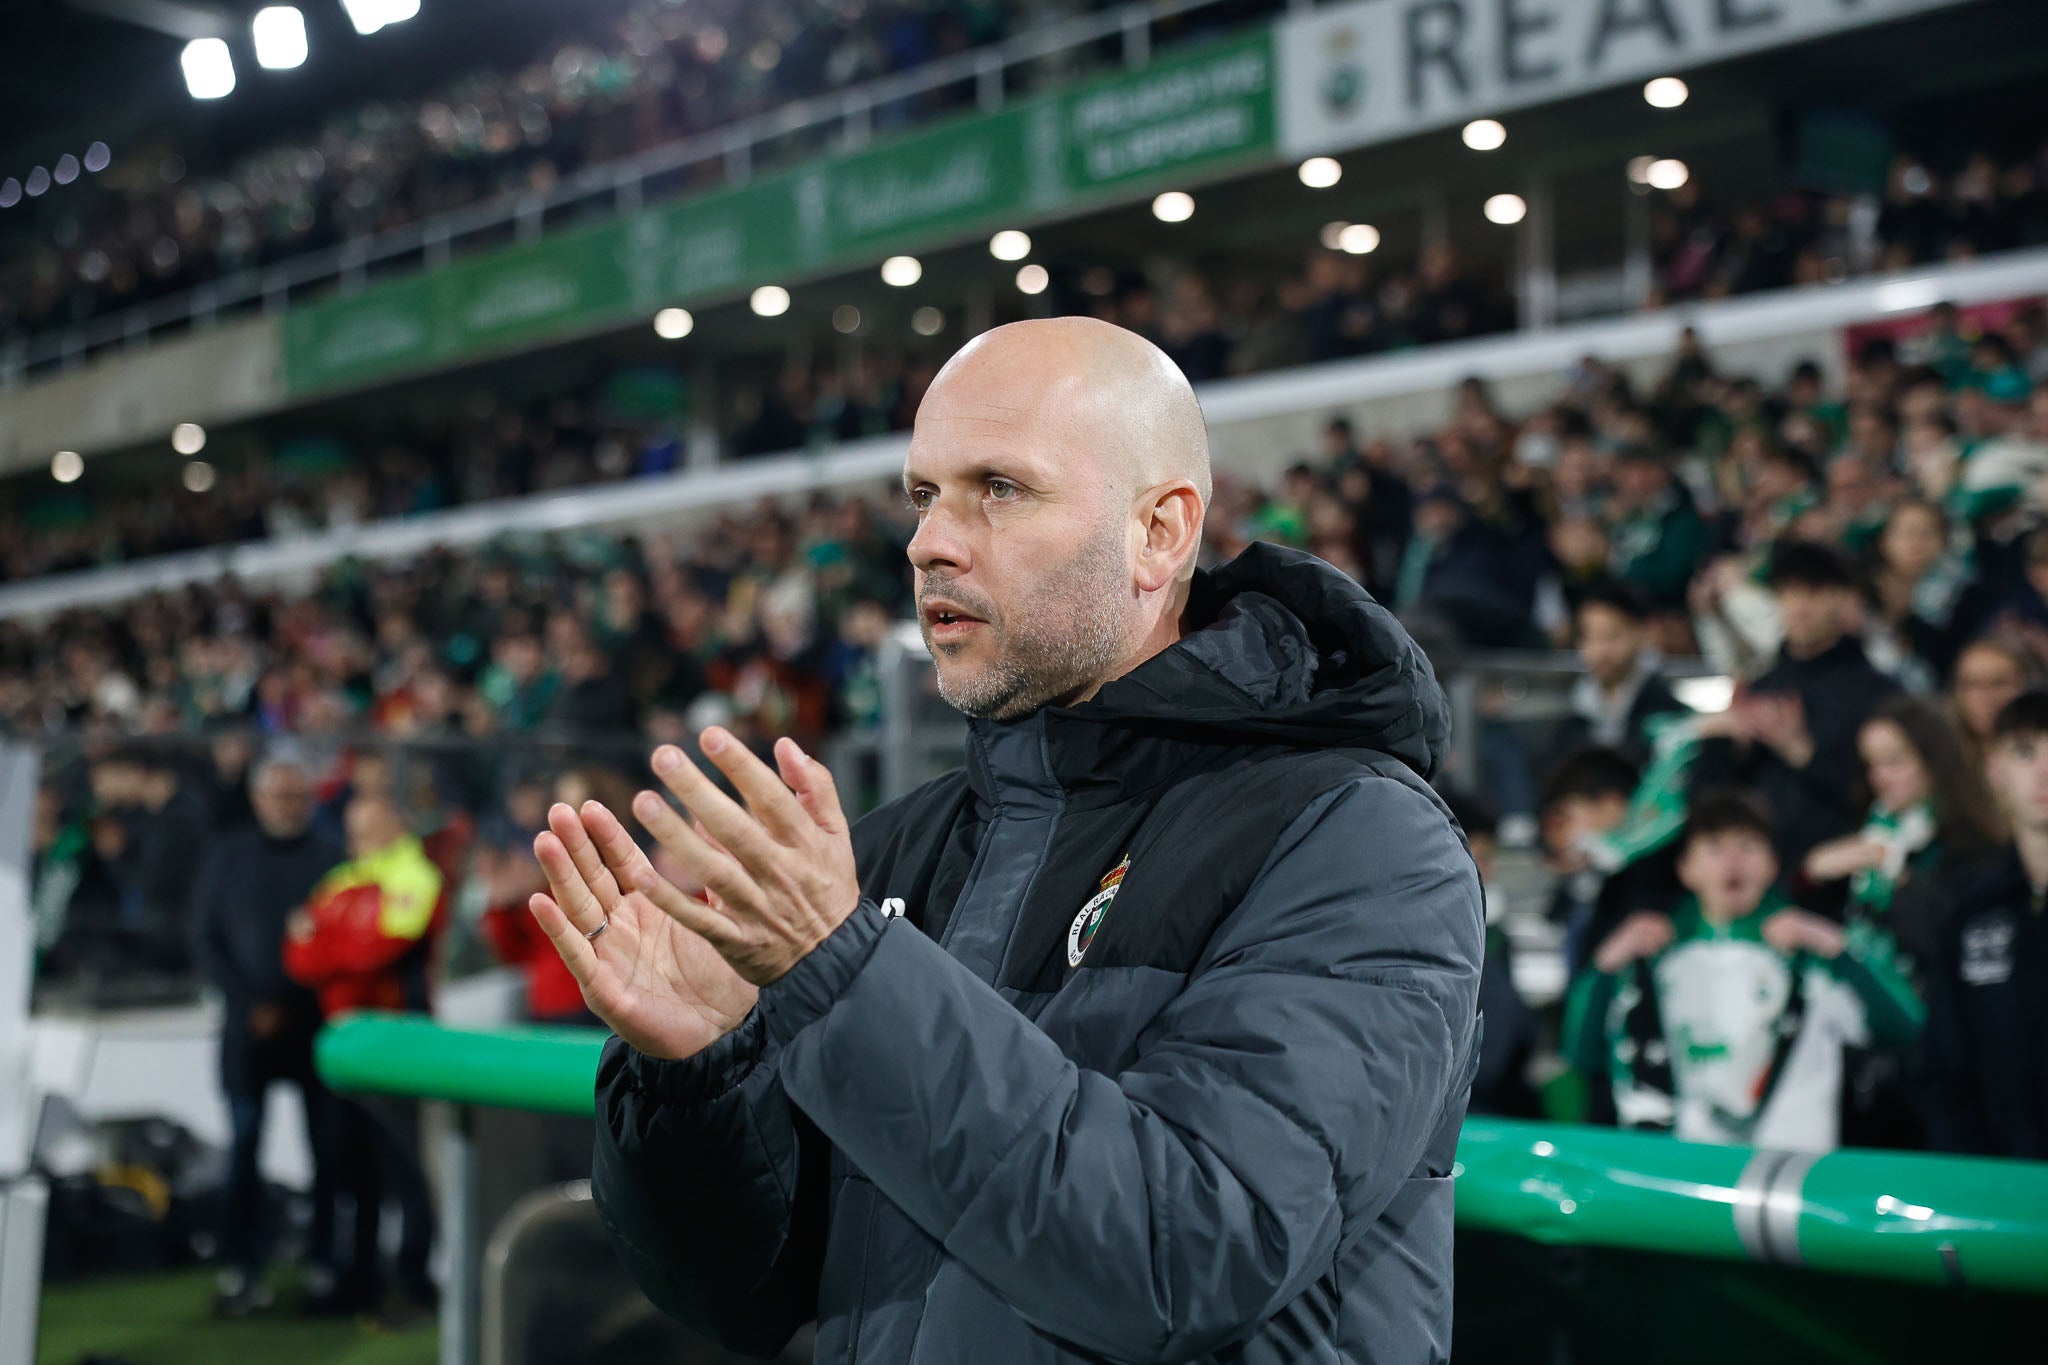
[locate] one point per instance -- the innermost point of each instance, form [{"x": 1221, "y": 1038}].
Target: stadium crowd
[
  {"x": 654, "y": 74},
  {"x": 1860, "y": 836}
]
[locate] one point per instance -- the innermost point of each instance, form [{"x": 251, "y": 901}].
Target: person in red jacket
[{"x": 364, "y": 941}]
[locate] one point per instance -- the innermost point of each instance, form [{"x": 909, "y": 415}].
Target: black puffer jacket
[{"x": 1150, "y": 1041}]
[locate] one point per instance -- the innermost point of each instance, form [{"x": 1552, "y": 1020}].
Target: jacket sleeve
[
  {"x": 712, "y": 1188},
  {"x": 214, "y": 964},
  {"x": 1278, "y": 1102},
  {"x": 349, "y": 938}
]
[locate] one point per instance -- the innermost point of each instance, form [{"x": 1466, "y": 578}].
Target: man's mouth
[{"x": 946, "y": 622}]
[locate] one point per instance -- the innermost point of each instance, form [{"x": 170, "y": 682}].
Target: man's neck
[{"x": 2032, "y": 846}]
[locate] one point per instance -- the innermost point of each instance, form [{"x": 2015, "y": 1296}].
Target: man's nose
[{"x": 938, "y": 544}]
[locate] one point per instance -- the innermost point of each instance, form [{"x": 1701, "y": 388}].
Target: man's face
[
  {"x": 282, "y": 798},
  {"x": 1814, "y": 617},
  {"x": 1022, "y": 555},
  {"x": 1729, "y": 870},
  {"x": 2018, "y": 769},
  {"x": 1608, "y": 643}
]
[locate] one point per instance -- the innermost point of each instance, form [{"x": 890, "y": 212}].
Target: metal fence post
[{"x": 460, "y": 1228}]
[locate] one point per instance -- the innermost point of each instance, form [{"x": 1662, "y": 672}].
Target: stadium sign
[
  {"x": 1177, "y": 120},
  {"x": 1375, "y": 70}
]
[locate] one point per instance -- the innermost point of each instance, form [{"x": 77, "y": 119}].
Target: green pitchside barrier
[{"x": 1899, "y": 1216}]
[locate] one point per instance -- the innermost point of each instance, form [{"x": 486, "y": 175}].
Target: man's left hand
[{"x": 778, "y": 870}]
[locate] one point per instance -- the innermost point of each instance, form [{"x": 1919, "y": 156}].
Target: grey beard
[{"x": 1070, "y": 637}]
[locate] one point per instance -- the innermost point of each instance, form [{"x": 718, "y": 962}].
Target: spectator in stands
[
  {"x": 1930, "y": 815},
  {"x": 1584, "y": 803},
  {"x": 1623, "y": 687},
  {"x": 1987, "y": 1027},
  {"x": 1726, "y": 1021},
  {"x": 1792, "y": 735},
  {"x": 1501, "y": 1085},
  {"x": 1989, "y": 672},
  {"x": 152, "y": 849},
  {"x": 363, "y": 941},
  {"x": 250, "y": 884},
  {"x": 1658, "y": 536},
  {"x": 1924, "y": 591}
]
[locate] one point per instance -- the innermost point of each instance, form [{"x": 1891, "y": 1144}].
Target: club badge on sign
[{"x": 1082, "y": 932}]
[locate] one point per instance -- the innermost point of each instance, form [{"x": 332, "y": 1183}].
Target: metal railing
[{"x": 849, "y": 114}]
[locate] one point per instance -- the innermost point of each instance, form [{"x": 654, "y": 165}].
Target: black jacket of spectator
[
  {"x": 248, "y": 887},
  {"x": 1987, "y": 1022},
  {"x": 1580, "y": 730},
  {"x": 1838, "y": 688}
]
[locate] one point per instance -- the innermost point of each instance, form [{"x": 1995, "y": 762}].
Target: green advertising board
[{"x": 1200, "y": 112}]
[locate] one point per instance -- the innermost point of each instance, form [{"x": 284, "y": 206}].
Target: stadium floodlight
[
  {"x": 198, "y": 476},
  {"x": 188, "y": 438},
  {"x": 1667, "y": 174},
  {"x": 1485, "y": 135},
  {"x": 370, "y": 15},
  {"x": 38, "y": 183},
  {"x": 1639, "y": 169},
  {"x": 67, "y": 169},
  {"x": 1506, "y": 209},
  {"x": 66, "y": 466},
  {"x": 209, "y": 70},
  {"x": 1033, "y": 279},
  {"x": 846, "y": 319},
  {"x": 673, "y": 324},
  {"x": 1331, "y": 234},
  {"x": 1665, "y": 92},
  {"x": 1320, "y": 172},
  {"x": 927, "y": 321},
  {"x": 97, "y": 157},
  {"x": 769, "y": 301},
  {"x": 902, "y": 271},
  {"x": 1010, "y": 245},
  {"x": 1359, "y": 239},
  {"x": 1174, "y": 206},
  {"x": 10, "y": 192},
  {"x": 279, "y": 32}
]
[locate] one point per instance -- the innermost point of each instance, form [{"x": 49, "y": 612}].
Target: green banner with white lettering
[{"x": 1193, "y": 114}]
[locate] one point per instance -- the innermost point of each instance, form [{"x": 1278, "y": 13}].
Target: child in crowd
[{"x": 1726, "y": 1021}]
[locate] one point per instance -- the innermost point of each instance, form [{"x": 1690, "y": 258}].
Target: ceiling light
[
  {"x": 38, "y": 183},
  {"x": 66, "y": 466},
  {"x": 1667, "y": 174},
  {"x": 209, "y": 70},
  {"x": 673, "y": 324},
  {"x": 1330, "y": 233},
  {"x": 97, "y": 156},
  {"x": 769, "y": 301},
  {"x": 279, "y": 32},
  {"x": 1010, "y": 245},
  {"x": 1666, "y": 92},
  {"x": 67, "y": 169},
  {"x": 1033, "y": 279},
  {"x": 1359, "y": 239},
  {"x": 846, "y": 319},
  {"x": 188, "y": 438},
  {"x": 927, "y": 321},
  {"x": 1320, "y": 172},
  {"x": 198, "y": 476},
  {"x": 1506, "y": 209},
  {"x": 370, "y": 15},
  {"x": 902, "y": 271},
  {"x": 1639, "y": 169},
  {"x": 1485, "y": 135},
  {"x": 1175, "y": 206},
  {"x": 10, "y": 192}
]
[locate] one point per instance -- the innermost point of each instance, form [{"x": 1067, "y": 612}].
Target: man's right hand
[
  {"x": 657, "y": 985},
  {"x": 1643, "y": 934}
]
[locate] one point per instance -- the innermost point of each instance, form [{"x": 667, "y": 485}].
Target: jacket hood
[{"x": 1284, "y": 649}]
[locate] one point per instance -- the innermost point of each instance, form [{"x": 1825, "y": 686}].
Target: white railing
[
  {"x": 429, "y": 242},
  {"x": 1311, "y": 390}
]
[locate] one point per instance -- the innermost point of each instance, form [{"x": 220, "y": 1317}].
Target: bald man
[{"x": 1146, "y": 1036}]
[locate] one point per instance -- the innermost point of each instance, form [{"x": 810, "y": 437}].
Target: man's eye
[
  {"x": 1001, "y": 489},
  {"x": 920, "y": 498}
]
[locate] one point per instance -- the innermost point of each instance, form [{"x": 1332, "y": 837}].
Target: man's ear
[{"x": 1170, "y": 518}]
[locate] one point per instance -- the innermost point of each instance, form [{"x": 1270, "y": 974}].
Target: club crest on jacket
[{"x": 1082, "y": 932}]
